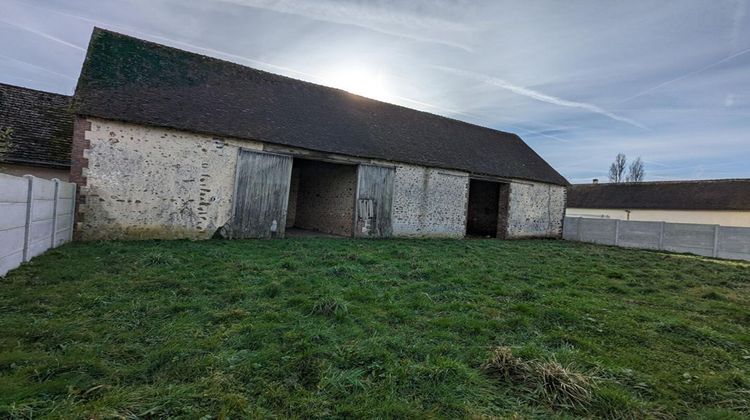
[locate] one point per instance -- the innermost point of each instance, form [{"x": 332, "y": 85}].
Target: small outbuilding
[
  {"x": 172, "y": 144},
  {"x": 36, "y": 129}
]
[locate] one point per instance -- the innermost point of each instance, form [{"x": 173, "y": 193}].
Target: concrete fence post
[
  {"x": 661, "y": 236},
  {"x": 617, "y": 231},
  {"x": 56, "y": 197},
  {"x": 29, "y": 215},
  {"x": 72, "y": 213},
  {"x": 716, "y": 241}
]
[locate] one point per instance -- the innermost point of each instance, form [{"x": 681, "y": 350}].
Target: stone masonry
[
  {"x": 143, "y": 182},
  {"x": 429, "y": 202},
  {"x": 535, "y": 210}
]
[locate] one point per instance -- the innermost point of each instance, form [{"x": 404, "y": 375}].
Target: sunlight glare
[{"x": 360, "y": 81}]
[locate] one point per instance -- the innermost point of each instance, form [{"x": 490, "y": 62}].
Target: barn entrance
[
  {"x": 321, "y": 198},
  {"x": 278, "y": 194},
  {"x": 487, "y": 212}
]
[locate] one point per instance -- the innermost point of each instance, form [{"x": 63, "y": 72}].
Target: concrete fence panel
[
  {"x": 41, "y": 224},
  {"x": 599, "y": 231},
  {"x": 37, "y": 214},
  {"x": 570, "y": 228},
  {"x": 64, "y": 215},
  {"x": 640, "y": 234},
  {"x": 706, "y": 240},
  {"x": 733, "y": 242},
  {"x": 14, "y": 198},
  {"x": 692, "y": 238}
]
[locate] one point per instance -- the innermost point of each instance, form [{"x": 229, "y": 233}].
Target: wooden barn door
[
  {"x": 374, "y": 201},
  {"x": 261, "y": 194}
]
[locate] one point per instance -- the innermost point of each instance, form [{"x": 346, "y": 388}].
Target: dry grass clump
[
  {"x": 561, "y": 386},
  {"x": 503, "y": 363}
]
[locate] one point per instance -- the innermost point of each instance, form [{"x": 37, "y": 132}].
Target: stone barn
[{"x": 172, "y": 144}]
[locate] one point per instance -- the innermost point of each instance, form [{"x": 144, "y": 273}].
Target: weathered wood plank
[
  {"x": 261, "y": 194},
  {"x": 502, "y": 211},
  {"x": 374, "y": 201}
]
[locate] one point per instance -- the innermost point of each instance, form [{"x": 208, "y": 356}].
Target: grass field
[{"x": 391, "y": 328}]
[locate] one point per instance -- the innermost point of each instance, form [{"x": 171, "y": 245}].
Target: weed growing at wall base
[{"x": 392, "y": 328}]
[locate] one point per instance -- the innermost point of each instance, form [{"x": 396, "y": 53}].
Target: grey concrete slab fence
[
  {"x": 35, "y": 215},
  {"x": 707, "y": 240}
]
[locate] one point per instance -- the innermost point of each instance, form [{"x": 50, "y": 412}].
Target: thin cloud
[
  {"x": 43, "y": 35},
  {"x": 539, "y": 96},
  {"x": 40, "y": 68},
  {"x": 452, "y": 112},
  {"x": 386, "y": 20},
  {"x": 206, "y": 50},
  {"x": 537, "y": 133},
  {"x": 540, "y": 133},
  {"x": 685, "y": 76},
  {"x": 442, "y": 109},
  {"x": 737, "y": 22}
]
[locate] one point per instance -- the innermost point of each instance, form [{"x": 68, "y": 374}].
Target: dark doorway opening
[
  {"x": 487, "y": 212},
  {"x": 321, "y": 198}
]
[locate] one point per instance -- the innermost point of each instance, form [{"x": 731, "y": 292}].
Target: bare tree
[
  {"x": 636, "y": 171},
  {"x": 617, "y": 169}
]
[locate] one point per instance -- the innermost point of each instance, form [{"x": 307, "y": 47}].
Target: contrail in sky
[
  {"x": 539, "y": 96},
  {"x": 450, "y": 111},
  {"x": 685, "y": 76},
  {"x": 43, "y": 35},
  {"x": 368, "y": 16},
  {"x": 181, "y": 43},
  {"x": 67, "y": 76}
]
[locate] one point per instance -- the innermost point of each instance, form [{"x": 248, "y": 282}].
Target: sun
[{"x": 360, "y": 81}]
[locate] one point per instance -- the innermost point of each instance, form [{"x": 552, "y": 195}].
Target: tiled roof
[
  {"x": 719, "y": 194},
  {"x": 40, "y": 127}
]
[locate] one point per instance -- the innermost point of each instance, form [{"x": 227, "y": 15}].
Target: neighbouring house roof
[
  {"x": 40, "y": 126},
  {"x": 719, "y": 194},
  {"x": 132, "y": 80}
]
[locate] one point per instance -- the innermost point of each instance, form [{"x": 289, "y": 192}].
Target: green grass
[{"x": 391, "y": 328}]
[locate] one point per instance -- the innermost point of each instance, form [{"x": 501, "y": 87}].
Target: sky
[{"x": 578, "y": 80}]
